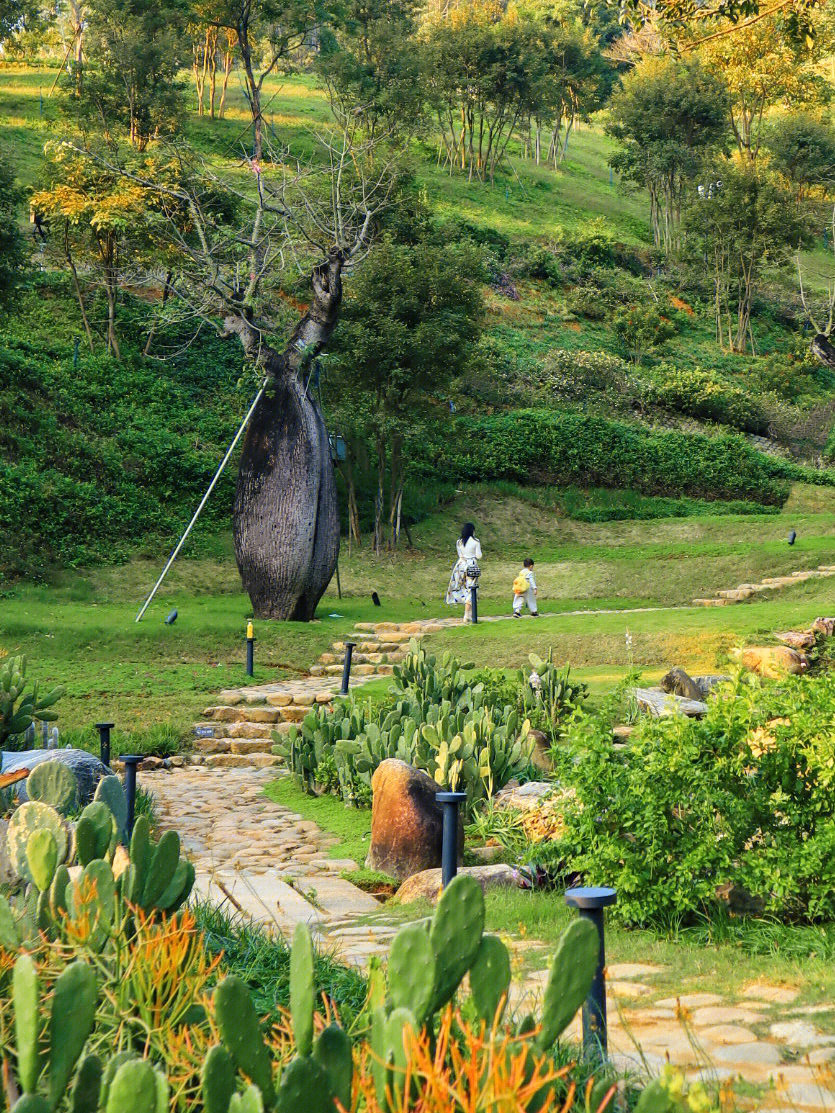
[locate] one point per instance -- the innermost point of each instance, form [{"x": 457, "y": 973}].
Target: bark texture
[
  {"x": 822, "y": 349},
  {"x": 286, "y": 518}
]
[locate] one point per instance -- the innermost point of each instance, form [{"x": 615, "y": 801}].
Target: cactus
[
  {"x": 137, "y": 1087},
  {"x": 217, "y": 1080},
  {"x": 109, "y": 791},
  {"x": 16, "y": 718},
  {"x": 250, "y": 1101},
  {"x": 71, "y": 1020},
  {"x": 304, "y": 1085},
  {"x": 241, "y": 1034},
  {"x": 572, "y": 972},
  {"x": 28, "y": 818},
  {"x": 30, "y": 1103},
  {"x": 9, "y": 935},
  {"x": 87, "y": 1088},
  {"x": 156, "y": 878},
  {"x": 411, "y": 970},
  {"x": 302, "y": 989},
  {"x": 93, "y": 895},
  {"x": 53, "y": 783},
  {"x": 332, "y": 1051},
  {"x": 95, "y": 833},
  {"x": 42, "y": 857},
  {"x": 455, "y": 933},
  {"x": 490, "y": 977},
  {"x": 26, "y": 1022}
]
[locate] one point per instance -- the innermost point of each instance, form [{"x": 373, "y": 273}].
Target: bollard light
[
  {"x": 346, "y": 668},
  {"x": 130, "y": 762},
  {"x": 450, "y": 802},
  {"x": 792, "y": 536},
  {"x": 590, "y": 904},
  {"x": 250, "y": 649},
  {"x": 474, "y": 604},
  {"x": 104, "y": 730}
]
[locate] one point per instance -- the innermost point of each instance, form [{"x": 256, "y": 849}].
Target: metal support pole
[
  {"x": 346, "y": 668},
  {"x": 250, "y": 650},
  {"x": 450, "y": 802},
  {"x": 104, "y": 730},
  {"x": 130, "y": 762},
  {"x": 590, "y": 904},
  {"x": 474, "y": 604},
  {"x": 203, "y": 501}
]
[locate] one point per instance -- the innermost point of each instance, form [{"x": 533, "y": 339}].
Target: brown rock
[
  {"x": 825, "y": 626},
  {"x": 771, "y": 661},
  {"x": 797, "y": 639},
  {"x": 540, "y": 755},
  {"x": 680, "y": 684},
  {"x": 406, "y": 822},
  {"x": 427, "y": 884}
]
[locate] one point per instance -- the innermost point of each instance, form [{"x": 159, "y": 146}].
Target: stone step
[
  {"x": 317, "y": 670},
  {"x": 710, "y": 602},
  {"x": 241, "y": 761},
  {"x": 250, "y": 730},
  {"x": 223, "y": 713}
]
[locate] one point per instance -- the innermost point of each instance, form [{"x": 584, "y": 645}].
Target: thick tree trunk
[
  {"x": 286, "y": 520},
  {"x": 822, "y": 349}
]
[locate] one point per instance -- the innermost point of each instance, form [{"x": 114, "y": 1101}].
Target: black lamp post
[
  {"x": 590, "y": 904},
  {"x": 130, "y": 762},
  {"x": 104, "y": 730},
  {"x": 346, "y": 668},
  {"x": 450, "y": 802}
]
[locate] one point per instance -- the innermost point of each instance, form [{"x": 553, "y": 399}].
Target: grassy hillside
[{"x": 126, "y": 450}]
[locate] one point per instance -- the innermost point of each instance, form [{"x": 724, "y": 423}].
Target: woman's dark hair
[{"x": 467, "y": 531}]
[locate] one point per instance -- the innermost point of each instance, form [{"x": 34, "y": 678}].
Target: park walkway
[{"x": 265, "y": 862}]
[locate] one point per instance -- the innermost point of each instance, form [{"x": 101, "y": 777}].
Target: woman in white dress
[{"x": 465, "y": 571}]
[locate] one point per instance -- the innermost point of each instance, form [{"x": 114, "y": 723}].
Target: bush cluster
[
  {"x": 565, "y": 447},
  {"x": 702, "y": 394},
  {"x": 737, "y": 806}
]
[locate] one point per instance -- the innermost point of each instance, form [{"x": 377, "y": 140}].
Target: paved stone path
[{"x": 265, "y": 861}]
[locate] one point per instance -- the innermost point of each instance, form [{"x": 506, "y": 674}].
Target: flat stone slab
[
  {"x": 765, "y": 991},
  {"x": 633, "y": 970},
  {"x": 660, "y": 704}
]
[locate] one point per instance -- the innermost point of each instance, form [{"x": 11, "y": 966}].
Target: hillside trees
[
  {"x": 133, "y": 54},
  {"x": 742, "y": 223},
  {"x": 802, "y": 149},
  {"x": 668, "y": 116},
  {"x": 410, "y": 326},
  {"x": 12, "y": 253}
]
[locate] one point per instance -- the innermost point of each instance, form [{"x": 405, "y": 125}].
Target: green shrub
[
  {"x": 642, "y": 329},
  {"x": 702, "y": 394},
  {"x": 600, "y": 505},
  {"x": 564, "y": 448},
  {"x": 741, "y": 801}
]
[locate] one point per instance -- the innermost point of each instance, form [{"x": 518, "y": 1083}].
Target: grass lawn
[{"x": 80, "y": 631}]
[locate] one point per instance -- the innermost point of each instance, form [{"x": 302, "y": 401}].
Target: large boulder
[
  {"x": 772, "y": 661},
  {"x": 427, "y": 884},
  {"x": 406, "y": 822},
  {"x": 87, "y": 768}
]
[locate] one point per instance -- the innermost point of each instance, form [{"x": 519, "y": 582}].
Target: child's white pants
[{"x": 519, "y": 601}]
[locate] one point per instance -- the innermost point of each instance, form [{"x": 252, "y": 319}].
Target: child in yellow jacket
[{"x": 524, "y": 590}]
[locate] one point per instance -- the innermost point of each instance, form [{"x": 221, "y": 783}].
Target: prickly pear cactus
[
  {"x": 137, "y": 1086},
  {"x": 302, "y": 989},
  {"x": 42, "y": 857},
  {"x": 304, "y": 1085},
  {"x": 455, "y": 934},
  {"x": 28, "y": 818},
  {"x": 109, "y": 791},
  {"x": 53, "y": 783},
  {"x": 95, "y": 832},
  {"x": 241, "y": 1033},
  {"x": 411, "y": 970},
  {"x": 490, "y": 977},
  {"x": 572, "y": 972}
]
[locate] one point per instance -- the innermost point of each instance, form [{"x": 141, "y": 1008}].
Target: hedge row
[{"x": 564, "y": 447}]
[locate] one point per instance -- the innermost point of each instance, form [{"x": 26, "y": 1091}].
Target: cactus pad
[
  {"x": 572, "y": 972},
  {"x": 109, "y": 791},
  {"x": 304, "y": 1085},
  {"x": 332, "y": 1051},
  {"x": 87, "y": 1087},
  {"x": 26, "y": 1022},
  {"x": 42, "y": 857},
  {"x": 455, "y": 934},
  {"x": 53, "y": 783},
  {"x": 70, "y": 1023},
  {"x": 95, "y": 832},
  {"x": 217, "y": 1080},
  {"x": 9, "y": 935},
  {"x": 490, "y": 977},
  {"x": 241, "y": 1033},
  {"x": 250, "y": 1101},
  {"x": 137, "y": 1086},
  {"x": 411, "y": 971},
  {"x": 28, "y": 818},
  {"x": 302, "y": 989}
]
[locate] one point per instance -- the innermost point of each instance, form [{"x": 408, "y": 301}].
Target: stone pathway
[
  {"x": 762, "y": 1039},
  {"x": 770, "y": 583},
  {"x": 266, "y": 862}
]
